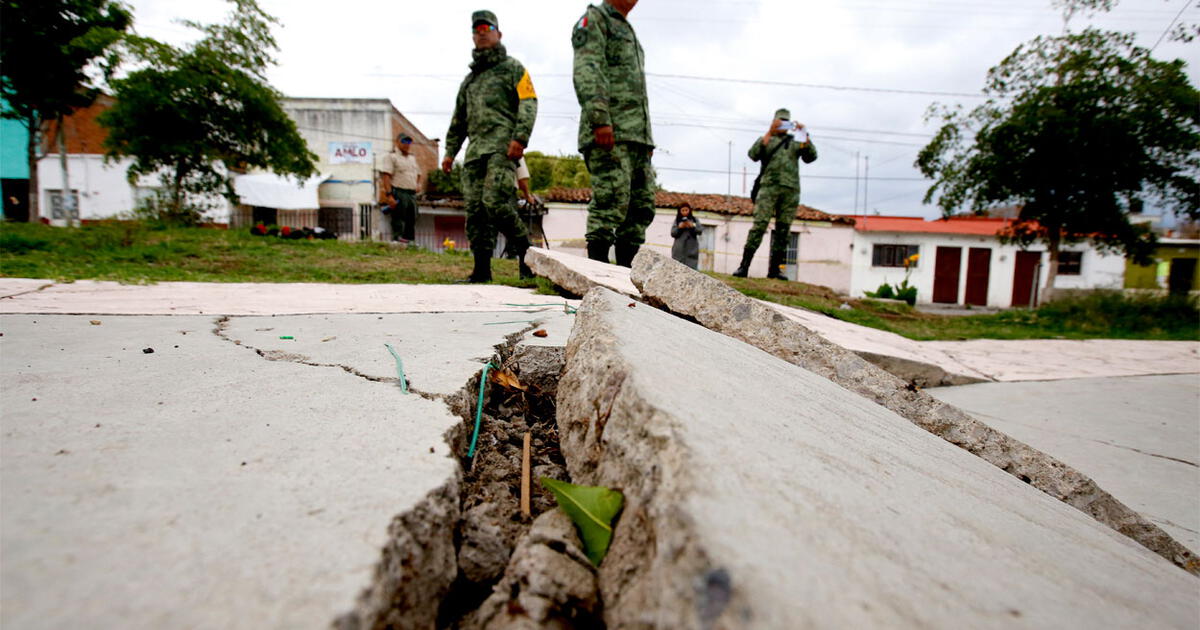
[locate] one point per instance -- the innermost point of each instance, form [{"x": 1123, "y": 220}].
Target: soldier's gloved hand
[
  {"x": 604, "y": 137},
  {"x": 515, "y": 150},
  {"x": 447, "y": 164}
]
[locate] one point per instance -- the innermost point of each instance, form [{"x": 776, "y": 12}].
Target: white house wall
[
  {"x": 1097, "y": 270},
  {"x": 104, "y": 191},
  {"x": 326, "y": 121},
  {"x": 823, "y": 259}
]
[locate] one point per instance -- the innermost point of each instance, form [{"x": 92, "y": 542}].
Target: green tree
[
  {"x": 46, "y": 49},
  {"x": 198, "y": 113},
  {"x": 550, "y": 171},
  {"x": 1079, "y": 130},
  {"x": 443, "y": 183}
]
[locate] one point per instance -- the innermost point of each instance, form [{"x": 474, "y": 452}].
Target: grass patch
[
  {"x": 1103, "y": 315},
  {"x": 138, "y": 253}
]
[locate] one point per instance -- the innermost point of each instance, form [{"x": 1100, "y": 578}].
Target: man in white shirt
[{"x": 400, "y": 177}]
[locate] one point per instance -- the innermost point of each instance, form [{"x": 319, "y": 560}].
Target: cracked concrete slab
[
  {"x": 203, "y": 485},
  {"x": 683, "y": 291},
  {"x": 1138, "y": 437},
  {"x": 911, "y": 360},
  {"x": 577, "y": 274},
  {"x": 210, "y": 298},
  {"x": 931, "y": 363},
  {"x": 813, "y": 507}
]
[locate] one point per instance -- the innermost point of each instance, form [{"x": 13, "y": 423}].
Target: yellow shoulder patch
[{"x": 525, "y": 87}]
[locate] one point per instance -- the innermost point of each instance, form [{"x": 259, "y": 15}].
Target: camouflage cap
[
  {"x": 783, "y": 114},
  {"x": 484, "y": 17}
]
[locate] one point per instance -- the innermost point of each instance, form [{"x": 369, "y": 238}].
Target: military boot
[
  {"x": 625, "y": 253},
  {"x": 598, "y": 250},
  {"x": 775, "y": 267},
  {"x": 519, "y": 247},
  {"x": 483, "y": 266},
  {"x": 744, "y": 268}
]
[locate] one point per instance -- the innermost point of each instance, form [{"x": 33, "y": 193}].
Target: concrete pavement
[
  {"x": 231, "y": 478},
  {"x": 1138, "y": 437}
]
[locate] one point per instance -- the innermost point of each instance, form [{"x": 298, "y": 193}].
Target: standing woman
[{"x": 686, "y": 232}]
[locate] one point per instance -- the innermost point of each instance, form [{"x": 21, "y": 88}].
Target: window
[
  {"x": 58, "y": 202},
  {"x": 1070, "y": 263},
  {"x": 892, "y": 255},
  {"x": 793, "y": 250}
]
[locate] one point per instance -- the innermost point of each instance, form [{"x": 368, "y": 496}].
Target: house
[
  {"x": 962, "y": 261},
  {"x": 818, "y": 251},
  {"x": 1173, "y": 269},
  {"x": 14, "y": 168},
  {"x": 349, "y": 136}
]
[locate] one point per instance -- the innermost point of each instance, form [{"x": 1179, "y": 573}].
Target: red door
[
  {"x": 945, "y": 275},
  {"x": 1025, "y": 278},
  {"x": 979, "y": 267}
]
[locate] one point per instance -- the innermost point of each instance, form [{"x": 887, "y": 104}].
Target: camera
[{"x": 786, "y": 125}]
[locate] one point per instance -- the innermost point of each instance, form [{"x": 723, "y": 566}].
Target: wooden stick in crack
[{"x": 525, "y": 477}]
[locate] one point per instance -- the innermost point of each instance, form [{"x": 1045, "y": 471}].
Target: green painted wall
[{"x": 1146, "y": 277}]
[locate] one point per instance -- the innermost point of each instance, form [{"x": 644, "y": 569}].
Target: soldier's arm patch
[
  {"x": 580, "y": 36},
  {"x": 525, "y": 87}
]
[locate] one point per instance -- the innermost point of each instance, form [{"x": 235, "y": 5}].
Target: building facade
[{"x": 962, "y": 261}]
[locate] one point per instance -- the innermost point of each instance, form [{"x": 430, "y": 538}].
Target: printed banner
[{"x": 349, "y": 152}]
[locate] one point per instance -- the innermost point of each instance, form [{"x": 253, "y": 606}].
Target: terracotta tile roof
[
  {"x": 969, "y": 224},
  {"x": 699, "y": 202}
]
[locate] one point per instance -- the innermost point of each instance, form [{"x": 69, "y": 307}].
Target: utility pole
[
  {"x": 866, "y": 180},
  {"x": 855, "y": 182},
  {"x": 729, "y": 177}
]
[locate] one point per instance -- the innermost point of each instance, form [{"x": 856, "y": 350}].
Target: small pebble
[
  {"x": 147, "y": 350},
  {"x": 95, "y": 322}
]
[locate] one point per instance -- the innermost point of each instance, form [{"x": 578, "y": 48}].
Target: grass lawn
[{"x": 137, "y": 253}]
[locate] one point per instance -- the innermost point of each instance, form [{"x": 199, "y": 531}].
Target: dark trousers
[{"x": 404, "y": 214}]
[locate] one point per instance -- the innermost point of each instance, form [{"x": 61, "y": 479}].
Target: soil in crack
[{"x": 492, "y": 522}]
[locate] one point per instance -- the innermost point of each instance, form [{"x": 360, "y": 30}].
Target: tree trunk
[
  {"x": 68, "y": 200},
  {"x": 33, "y": 125},
  {"x": 177, "y": 192},
  {"x": 1053, "y": 240}
]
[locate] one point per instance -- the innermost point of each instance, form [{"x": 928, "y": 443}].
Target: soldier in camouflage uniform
[
  {"x": 495, "y": 108},
  {"x": 614, "y": 130},
  {"x": 778, "y": 190}
]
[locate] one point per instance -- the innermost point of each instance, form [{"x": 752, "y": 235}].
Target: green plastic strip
[
  {"x": 479, "y": 409},
  {"x": 399, "y": 368}
]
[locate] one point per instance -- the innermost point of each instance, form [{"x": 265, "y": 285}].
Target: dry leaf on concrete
[{"x": 540, "y": 333}]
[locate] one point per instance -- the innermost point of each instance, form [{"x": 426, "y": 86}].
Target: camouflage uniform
[
  {"x": 610, "y": 83},
  {"x": 496, "y": 104},
  {"x": 778, "y": 194}
]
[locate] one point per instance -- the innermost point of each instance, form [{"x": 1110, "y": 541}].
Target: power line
[
  {"x": 819, "y": 86},
  {"x": 849, "y": 177},
  {"x": 1186, "y": 3}
]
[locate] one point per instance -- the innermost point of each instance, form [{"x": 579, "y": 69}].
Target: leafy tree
[
  {"x": 195, "y": 114},
  {"x": 442, "y": 183},
  {"x": 46, "y": 48},
  {"x": 549, "y": 171},
  {"x": 1079, "y": 130}
]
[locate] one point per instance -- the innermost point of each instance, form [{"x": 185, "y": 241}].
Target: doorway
[
  {"x": 979, "y": 267},
  {"x": 1028, "y": 265},
  {"x": 946, "y": 270},
  {"x": 1183, "y": 274}
]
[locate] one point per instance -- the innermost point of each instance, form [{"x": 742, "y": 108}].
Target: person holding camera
[
  {"x": 776, "y": 192},
  {"x": 686, "y": 232}
]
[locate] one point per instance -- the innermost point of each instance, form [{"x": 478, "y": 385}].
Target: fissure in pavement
[{"x": 466, "y": 556}]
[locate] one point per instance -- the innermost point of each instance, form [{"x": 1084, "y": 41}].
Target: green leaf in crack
[{"x": 593, "y": 509}]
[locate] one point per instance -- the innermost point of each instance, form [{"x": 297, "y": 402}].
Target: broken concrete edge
[
  {"x": 680, "y": 290},
  {"x": 614, "y": 438},
  {"x": 544, "y": 263},
  {"x": 918, "y": 373}
]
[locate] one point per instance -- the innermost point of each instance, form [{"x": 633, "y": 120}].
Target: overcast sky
[{"x": 853, "y": 66}]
